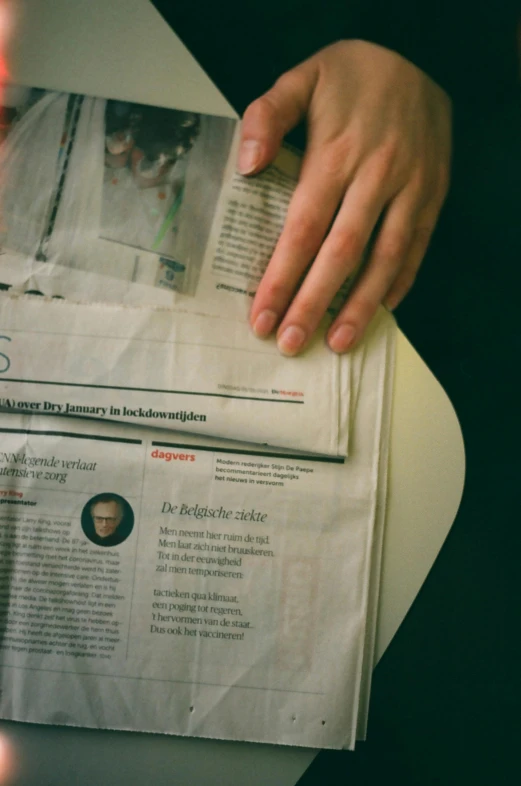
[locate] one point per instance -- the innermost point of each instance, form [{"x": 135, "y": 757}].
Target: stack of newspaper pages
[{"x": 190, "y": 525}]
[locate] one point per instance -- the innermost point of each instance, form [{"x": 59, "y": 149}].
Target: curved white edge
[{"x": 426, "y": 479}]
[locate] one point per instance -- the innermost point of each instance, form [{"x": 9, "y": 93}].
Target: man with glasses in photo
[{"x": 107, "y": 520}]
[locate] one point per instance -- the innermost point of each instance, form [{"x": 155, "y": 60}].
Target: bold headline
[{"x": 101, "y": 412}]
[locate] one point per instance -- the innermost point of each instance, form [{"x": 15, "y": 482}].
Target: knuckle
[
  {"x": 304, "y": 232},
  {"x": 261, "y": 112},
  {"x": 345, "y": 244},
  {"x": 386, "y": 157},
  {"x": 291, "y": 81},
  {"x": 335, "y": 155},
  {"x": 393, "y": 246}
]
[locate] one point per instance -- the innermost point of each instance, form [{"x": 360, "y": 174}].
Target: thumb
[{"x": 268, "y": 119}]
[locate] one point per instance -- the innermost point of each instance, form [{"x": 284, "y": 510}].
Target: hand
[{"x": 379, "y": 144}]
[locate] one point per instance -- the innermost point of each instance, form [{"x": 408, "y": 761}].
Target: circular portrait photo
[{"x": 107, "y": 519}]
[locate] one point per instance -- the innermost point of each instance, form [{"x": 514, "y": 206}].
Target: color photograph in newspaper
[
  {"x": 111, "y": 188},
  {"x": 113, "y": 201}
]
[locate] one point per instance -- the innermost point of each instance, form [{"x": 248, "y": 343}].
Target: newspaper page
[
  {"x": 112, "y": 201},
  {"x": 160, "y": 582},
  {"x": 116, "y": 204},
  {"x": 168, "y": 369}
]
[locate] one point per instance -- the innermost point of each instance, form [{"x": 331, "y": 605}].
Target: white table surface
[{"x": 123, "y": 49}]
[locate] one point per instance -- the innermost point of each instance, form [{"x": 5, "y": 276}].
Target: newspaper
[
  {"x": 174, "y": 580},
  {"x": 160, "y": 582},
  {"x": 120, "y": 202},
  {"x": 137, "y": 212},
  {"x": 180, "y": 371}
]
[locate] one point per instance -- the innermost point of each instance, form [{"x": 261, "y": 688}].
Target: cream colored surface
[
  {"x": 426, "y": 475},
  {"x": 123, "y": 49}
]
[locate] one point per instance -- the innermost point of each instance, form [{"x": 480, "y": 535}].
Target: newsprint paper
[
  {"x": 137, "y": 213},
  {"x": 156, "y": 574},
  {"x": 168, "y": 369},
  {"x": 160, "y": 582}
]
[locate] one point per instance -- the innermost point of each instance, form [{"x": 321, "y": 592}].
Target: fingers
[
  {"x": 310, "y": 213},
  {"x": 390, "y": 272},
  {"x": 268, "y": 119},
  {"x": 407, "y": 275},
  {"x": 425, "y": 226},
  {"x": 378, "y": 147},
  {"x": 338, "y": 257}
]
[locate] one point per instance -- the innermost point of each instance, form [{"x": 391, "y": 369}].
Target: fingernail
[
  {"x": 249, "y": 157},
  {"x": 342, "y": 338},
  {"x": 264, "y": 323},
  {"x": 291, "y": 340}
]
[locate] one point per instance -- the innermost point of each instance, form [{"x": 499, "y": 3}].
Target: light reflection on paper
[
  {"x": 5, "y": 26},
  {"x": 7, "y": 761}
]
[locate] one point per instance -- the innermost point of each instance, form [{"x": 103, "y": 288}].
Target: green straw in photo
[{"x": 169, "y": 218}]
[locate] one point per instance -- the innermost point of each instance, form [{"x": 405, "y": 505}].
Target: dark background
[{"x": 446, "y": 699}]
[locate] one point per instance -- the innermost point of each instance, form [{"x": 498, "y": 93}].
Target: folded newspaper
[
  {"x": 157, "y": 574},
  {"x": 137, "y": 206}
]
